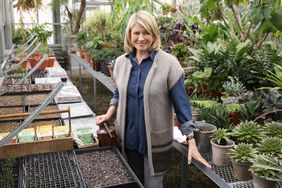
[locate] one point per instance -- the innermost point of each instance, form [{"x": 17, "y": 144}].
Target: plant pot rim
[
  {"x": 230, "y": 144},
  {"x": 245, "y": 163},
  {"x": 200, "y": 124}
]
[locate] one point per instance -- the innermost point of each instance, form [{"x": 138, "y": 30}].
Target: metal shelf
[{"x": 221, "y": 176}]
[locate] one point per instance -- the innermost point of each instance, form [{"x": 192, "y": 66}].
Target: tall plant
[
  {"x": 74, "y": 15},
  {"x": 122, "y": 10}
]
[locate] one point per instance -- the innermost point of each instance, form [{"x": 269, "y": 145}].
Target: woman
[{"x": 150, "y": 84}]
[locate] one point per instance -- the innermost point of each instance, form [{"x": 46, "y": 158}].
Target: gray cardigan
[{"x": 158, "y": 107}]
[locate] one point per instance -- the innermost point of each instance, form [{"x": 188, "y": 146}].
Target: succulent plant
[
  {"x": 233, "y": 87},
  {"x": 273, "y": 129},
  {"x": 248, "y": 131},
  {"x": 222, "y": 136},
  {"x": 267, "y": 166},
  {"x": 242, "y": 152},
  {"x": 271, "y": 146}
]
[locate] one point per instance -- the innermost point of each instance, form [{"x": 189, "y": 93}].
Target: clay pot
[
  {"x": 219, "y": 153},
  {"x": 241, "y": 170}
]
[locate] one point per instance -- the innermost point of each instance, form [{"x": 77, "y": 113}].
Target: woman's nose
[{"x": 141, "y": 37}]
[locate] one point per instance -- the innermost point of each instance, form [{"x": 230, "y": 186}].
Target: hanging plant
[{"x": 27, "y": 5}]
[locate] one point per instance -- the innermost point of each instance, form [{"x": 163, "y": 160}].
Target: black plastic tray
[
  {"x": 57, "y": 169},
  {"x": 135, "y": 181}
]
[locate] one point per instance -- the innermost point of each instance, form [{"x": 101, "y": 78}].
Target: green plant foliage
[
  {"x": 222, "y": 136},
  {"x": 216, "y": 115},
  {"x": 267, "y": 166},
  {"x": 271, "y": 146},
  {"x": 180, "y": 51},
  {"x": 275, "y": 77},
  {"x": 81, "y": 39},
  {"x": 248, "y": 131},
  {"x": 204, "y": 103},
  {"x": 242, "y": 152},
  {"x": 41, "y": 32},
  {"x": 233, "y": 87},
  {"x": 20, "y": 35},
  {"x": 251, "y": 109},
  {"x": 273, "y": 129},
  {"x": 233, "y": 107}
]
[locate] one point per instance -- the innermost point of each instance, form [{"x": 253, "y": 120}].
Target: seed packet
[
  {"x": 44, "y": 132},
  {"x": 26, "y": 135},
  {"x": 85, "y": 135},
  {"x": 12, "y": 141},
  {"x": 61, "y": 131}
]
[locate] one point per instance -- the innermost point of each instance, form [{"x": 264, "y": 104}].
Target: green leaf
[
  {"x": 211, "y": 4},
  {"x": 200, "y": 75},
  {"x": 266, "y": 26},
  {"x": 276, "y": 21},
  {"x": 256, "y": 15},
  {"x": 241, "y": 47}
]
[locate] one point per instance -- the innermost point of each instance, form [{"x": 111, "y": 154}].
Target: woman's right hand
[{"x": 101, "y": 118}]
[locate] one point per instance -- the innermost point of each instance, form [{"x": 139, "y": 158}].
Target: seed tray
[
  {"x": 9, "y": 173},
  {"x": 46, "y": 116},
  {"x": 54, "y": 122},
  {"x": 36, "y": 99},
  {"x": 11, "y": 100},
  {"x": 8, "y": 125},
  {"x": 48, "y": 170},
  {"x": 11, "y": 110},
  {"x": 105, "y": 167}
]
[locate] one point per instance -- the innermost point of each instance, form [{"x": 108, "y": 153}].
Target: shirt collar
[{"x": 152, "y": 55}]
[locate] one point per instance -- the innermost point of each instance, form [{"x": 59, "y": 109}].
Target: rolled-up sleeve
[
  {"x": 115, "y": 98},
  {"x": 182, "y": 106}
]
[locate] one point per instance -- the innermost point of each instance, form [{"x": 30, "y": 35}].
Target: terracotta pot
[
  {"x": 80, "y": 53},
  {"x": 87, "y": 57},
  {"x": 33, "y": 62},
  {"x": 43, "y": 65},
  {"x": 26, "y": 65},
  {"x": 51, "y": 61},
  {"x": 241, "y": 170},
  {"x": 262, "y": 182},
  {"x": 219, "y": 153}
]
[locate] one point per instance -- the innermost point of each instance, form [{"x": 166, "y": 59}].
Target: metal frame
[{"x": 29, "y": 119}]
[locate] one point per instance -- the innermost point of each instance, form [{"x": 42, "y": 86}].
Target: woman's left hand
[{"x": 194, "y": 153}]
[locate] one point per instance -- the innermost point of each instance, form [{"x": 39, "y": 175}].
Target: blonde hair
[{"x": 146, "y": 20}]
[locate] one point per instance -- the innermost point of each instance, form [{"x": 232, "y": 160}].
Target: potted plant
[
  {"x": 241, "y": 156},
  {"x": 273, "y": 129},
  {"x": 267, "y": 170},
  {"x": 248, "y": 132},
  {"x": 41, "y": 33},
  {"x": 203, "y": 136},
  {"x": 86, "y": 51},
  {"x": 271, "y": 146},
  {"x": 81, "y": 39},
  {"x": 221, "y": 144},
  {"x": 232, "y": 90},
  {"x": 234, "y": 114},
  {"x": 217, "y": 115}
]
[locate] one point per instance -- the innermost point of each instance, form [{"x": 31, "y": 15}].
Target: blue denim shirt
[{"x": 135, "y": 133}]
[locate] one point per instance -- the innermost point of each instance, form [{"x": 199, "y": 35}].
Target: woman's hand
[
  {"x": 194, "y": 153},
  {"x": 105, "y": 117},
  {"x": 101, "y": 118}
]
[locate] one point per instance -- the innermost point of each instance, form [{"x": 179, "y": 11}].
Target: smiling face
[{"x": 141, "y": 39}]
